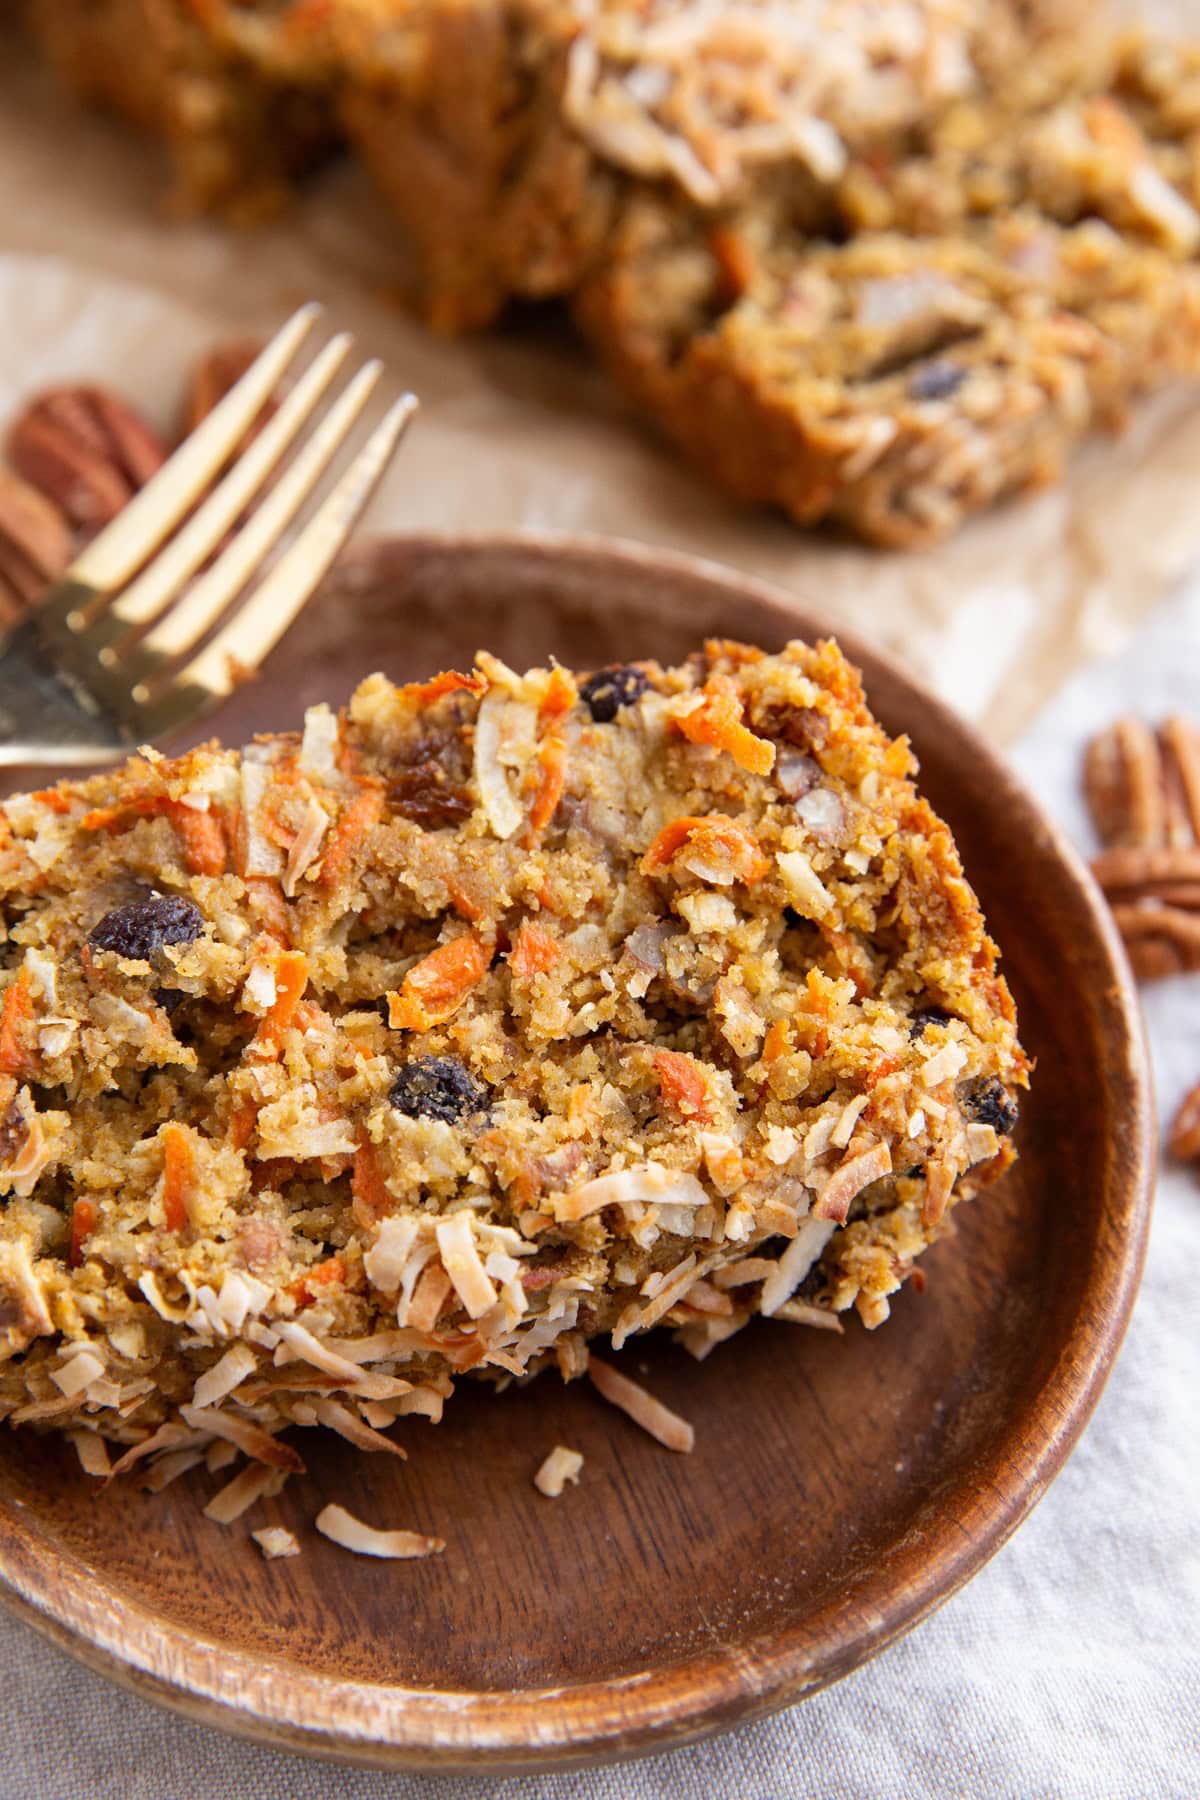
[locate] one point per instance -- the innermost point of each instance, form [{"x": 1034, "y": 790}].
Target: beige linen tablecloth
[{"x": 1071, "y": 1666}]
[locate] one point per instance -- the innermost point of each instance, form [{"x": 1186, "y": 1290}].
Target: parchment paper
[{"x": 519, "y": 430}]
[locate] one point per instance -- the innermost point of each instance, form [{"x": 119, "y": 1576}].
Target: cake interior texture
[{"x": 499, "y": 1012}]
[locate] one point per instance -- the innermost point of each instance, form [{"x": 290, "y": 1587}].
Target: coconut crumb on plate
[
  {"x": 275, "y": 1541},
  {"x": 560, "y": 1466},
  {"x": 341, "y": 1527}
]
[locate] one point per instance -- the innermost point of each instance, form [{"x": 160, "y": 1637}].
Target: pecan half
[
  {"x": 1179, "y": 745},
  {"x": 1124, "y": 786},
  {"x": 35, "y": 545},
  {"x": 1184, "y": 1139},
  {"x": 86, "y": 450},
  {"x": 212, "y": 377}
]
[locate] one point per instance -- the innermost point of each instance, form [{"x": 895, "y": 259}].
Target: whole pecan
[
  {"x": 86, "y": 450},
  {"x": 1184, "y": 1141},
  {"x": 35, "y": 545},
  {"x": 1124, "y": 785}
]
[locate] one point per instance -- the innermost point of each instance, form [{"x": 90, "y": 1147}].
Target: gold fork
[{"x": 113, "y": 657}]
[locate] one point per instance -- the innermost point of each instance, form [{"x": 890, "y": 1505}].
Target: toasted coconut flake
[
  {"x": 943, "y": 1065},
  {"x": 168, "y": 1436},
  {"x": 257, "y": 1443},
  {"x": 742, "y": 1273},
  {"x": 348, "y": 1425},
  {"x": 241, "y": 1296},
  {"x": 670, "y": 1430},
  {"x": 384, "y": 1262},
  {"x": 174, "y": 1315},
  {"x": 78, "y": 1372},
  {"x": 318, "y": 746},
  {"x": 503, "y": 812},
  {"x": 169, "y": 1468},
  {"x": 275, "y": 1541},
  {"x": 843, "y": 1131},
  {"x": 237, "y": 1496},
  {"x": 219, "y": 1455},
  {"x": 702, "y": 1297},
  {"x": 464, "y": 1265},
  {"x": 794, "y": 1264},
  {"x": 849, "y": 1180},
  {"x": 802, "y": 884},
  {"x": 562, "y": 1465},
  {"x": 800, "y": 1312},
  {"x": 673, "y": 1288},
  {"x": 225, "y": 1375},
  {"x": 648, "y": 1182},
  {"x": 92, "y": 1452},
  {"x": 313, "y": 827},
  {"x": 341, "y": 1527},
  {"x": 700, "y": 1337}
]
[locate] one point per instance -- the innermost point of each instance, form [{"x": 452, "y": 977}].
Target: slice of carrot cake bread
[{"x": 498, "y": 1013}]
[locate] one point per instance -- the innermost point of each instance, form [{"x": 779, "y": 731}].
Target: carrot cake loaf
[
  {"x": 500, "y": 1012},
  {"x": 236, "y": 133},
  {"x": 951, "y": 327}
]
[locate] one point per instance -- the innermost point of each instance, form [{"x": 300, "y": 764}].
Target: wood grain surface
[{"x": 840, "y": 1487}]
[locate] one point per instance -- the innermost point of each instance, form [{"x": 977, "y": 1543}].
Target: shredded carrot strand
[
  {"x": 450, "y": 681},
  {"x": 202, "y": 837},
  {"x": 330, "y": 1273},
  {"x": 561, "y": 695},
  {"x": 350, "y": 829},
  {"x": 683, "y": 1085},
  {"x": 83, "y": 1223},
  {"x": 107, "y": 818},
  {"x": 534, "y": 950},
  {"x": 179, "y": 1174},
  {"x": 58, "y": 800},
  {"x": 552, "y": 757},
  {"x": 373, "y": 1199},
  {"x": 16, "y": 1010},
  {"x": 718, "y": 721},
  {"x": 291, "y": 979},
  {"x": 777, "y": 1042},
  {"x": 267, "y": 902},
  {"x": 241, "y": 1125},
  {"x": 435, "y": 988},
  {"x": 716, "y": 834}
]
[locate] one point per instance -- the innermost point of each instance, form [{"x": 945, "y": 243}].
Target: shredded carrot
[
  {"x": 350, "y": 829},
  {"x": 107, "y": 818},
  {"x": 241, "y": 1125},
  {"x": 718, "y": 721},
  {"x": 735, "y": 260},
  {"x": 777, "y": 1042},
  {"x": 15, "y": 1012},
  {"x": 887, "y": 1065},
  {"x": 202, "y": 835},
  {"x": 291, "y": 979},
  {"x": 179, "y": 1174},
  {"x": 716, "y": 836},
  {"x": 525, "y": 1189},
  {"x": 462, "y": 902},
  {"x": 435, "y": 988},
  {"x": 83, "y": 1223},
  {"x": 561, "y": 695},
  {"x": 371, "y": 1194},
  {"x": 552, "y": 757},
  {"x": 330, "y": 1273},
  {"x": 268, "y": 904},
  {"x": 683, "y": 1085},
  {"x": 534, "y": 950},
  {"x": 58, "y": 800},
  {"x": 450, "y": 681}
]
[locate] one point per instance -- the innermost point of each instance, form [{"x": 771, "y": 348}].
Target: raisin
[
  {"x": 144, "y": 926},
  {"x": 608, "y": 690},
  {"x": 937, "y": 381},
  {"x": 170, "y": 999},
  {"x": 989, "y": 1103},
  {"x": 437, "y": 1087},
  {"x": 423, "y": 794},
  {"x": 928, "y": 1015}
]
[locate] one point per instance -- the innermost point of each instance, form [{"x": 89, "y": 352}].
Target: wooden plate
[{"x": 840, "y": 1487}]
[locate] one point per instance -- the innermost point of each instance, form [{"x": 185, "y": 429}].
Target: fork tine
[
  {"x": 186, "y": 623},
  {"x": 123, "y": 546},
  {"x": 249, "y": 637},
  {"x": 146, "y": 597}
]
